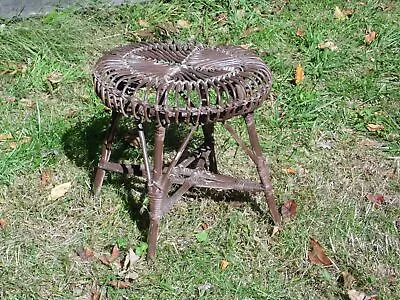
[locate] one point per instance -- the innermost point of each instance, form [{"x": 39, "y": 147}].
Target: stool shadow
[{"x": 82, "y": 145}]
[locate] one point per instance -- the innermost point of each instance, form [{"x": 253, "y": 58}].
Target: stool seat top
[{"x": 181, "y": 82}]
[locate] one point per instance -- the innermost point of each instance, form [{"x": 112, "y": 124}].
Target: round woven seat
[{"x": 172, "y": 82}]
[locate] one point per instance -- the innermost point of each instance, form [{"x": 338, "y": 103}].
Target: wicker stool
[{"x": 183, "y": 83}]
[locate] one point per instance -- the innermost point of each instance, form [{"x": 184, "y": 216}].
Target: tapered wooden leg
[
  {"x": 157, "y": 192},
  {"x": 105, "y": 153},
  {"x": 262, "y": 168}
]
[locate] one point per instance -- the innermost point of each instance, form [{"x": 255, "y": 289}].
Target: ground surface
[{"x": 332, "y": 139}]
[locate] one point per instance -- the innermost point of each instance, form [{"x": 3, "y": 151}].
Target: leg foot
[
  {"x": 262, "y": 169},
  {"x": 105, "y": 153}
]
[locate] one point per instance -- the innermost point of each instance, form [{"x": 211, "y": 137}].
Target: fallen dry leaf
[
  {"x": 376, "y": 198},
  {"x": 12, "y": 145},
  {"x": 289, "y": 170},
  {"x": 60, "y": 190},
  {"x": 130, "y": 259},
  {"x": 115, "y": 252},
  {"x": 370, "y": 37},
  {"x": 275, "y": 231},
  {"x": 356, "y": 295},
  {"x": 204, "y": 226},
  {"x": 144, "y": 33},
  {"x": 85, "y": 253},
  {"x": 223, "y": 264},
  {"x": 342, "y": 14},
  {"x": 143, "y": 23},
  {"x": 221, "y": 18},
  {"x": 289, "y": 209},
  {"x": 317, "y": 255},
  {"x": 55, "y": 77},
  {"x": 299, "y": 74},
  {"x": 375, "y": 127},
  {"x": 250, "y": 30},
  {"x": 339, "y": 14},
  {"x": 25, "y": 139},
  {"x": 3, "y": 223},
  {"x": 94, "y": 294},
  {"x": 328, "y": 45},
  {"x": 112, "y": 260},
  {"x": 121, "y": 284},
  {"x": 5, "y": 137},
  {"x": 299, "y": 32},
  {"x": 27, "y": 102},
  {"x": 245, "y": 46},
  {"x": 348, "y": 280},
  {"x": 45, "y": 177},
  {"x": 182, "y": 24}
]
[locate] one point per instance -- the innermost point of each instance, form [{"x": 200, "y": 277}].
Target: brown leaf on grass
[
  {"x": 133, "y": 139},
  {"x": 245, "y": 46},
  {"x": 348, "y": 280},
  {"x": 130, "y": 259},
  {"x": 115, "y": 253},
  {"x": 223, "y": 264},
  {"x": 3, "y": 223},
  {"x": 120, "y": 284},
  {"x": 275, "y": 230},
  {"x": 5, "y": 137},
  {"x": 204, "y": 226},
  {"x": 250, "y": 30},
  {"x": 388, "y": 7},
  {"x": 342, "y": 14},
  {"x": 167, "y": 28},
  {"x": 339, "y": 14},
  {"x": 10, "y": 99},
  {"x": 299, "y": 32},
  {"x": 60, "y": 190},
  {"x": 45, "y": 177},
  {"x": 357, "y": 295},
  {"x": 109, "y": 259},
  {"x": 144, "y": 33},
  {"x": 182, "y": 24},
  {"x": 376, "y": 198},
  {"x": 370, "y": 37},
  {"x": 328, "y": 45},
  {"x": 289, "y": 170},
  {"x": 143, "y": 23},
  {"x": 85, "y": 253},
  {"x": 375, "y": 127},
  {"x": 299, "y": 74},
  {"x": 397, "y": 223},
  {"x": 55, "y": 77},
  {"x": 317, "y": 254},
  {"x": 94, "y": 294},
  {"x": 289, "y": 209},
  {"x": 221, "y": 18},
  {"x": 27, "y": 102},
  {"x": 25, "y": 139},
  {"x": 13, "y": 145}
]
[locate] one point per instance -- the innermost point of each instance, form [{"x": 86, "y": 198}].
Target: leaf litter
[
  {"x": 289, "y": 209},
  {"x": 60, "y": 190},
  {"x": 317, "y": 254},
  {"x": 125, "y": 268}
]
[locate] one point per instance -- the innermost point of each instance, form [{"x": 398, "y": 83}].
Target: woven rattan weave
[{"x": 183, "y": 83}]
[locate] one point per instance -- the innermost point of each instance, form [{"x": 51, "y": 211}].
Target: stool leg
[
  {"x": 157, "y": 191},
  {"x": 105, "y": 153},
  {"x": 208, "y": 131},
  {"x": 262, "y": 168}
]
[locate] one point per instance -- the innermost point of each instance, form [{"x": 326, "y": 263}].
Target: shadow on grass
[{"x": 82, "y": 144}]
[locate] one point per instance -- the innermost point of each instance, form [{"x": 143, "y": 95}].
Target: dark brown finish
[{"x": 194, "y": 84}]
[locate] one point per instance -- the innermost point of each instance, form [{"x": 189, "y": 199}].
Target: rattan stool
[{"x": 183, "y": 83}]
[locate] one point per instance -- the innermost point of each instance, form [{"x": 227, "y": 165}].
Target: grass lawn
[{"x": 331, "y": 140}]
